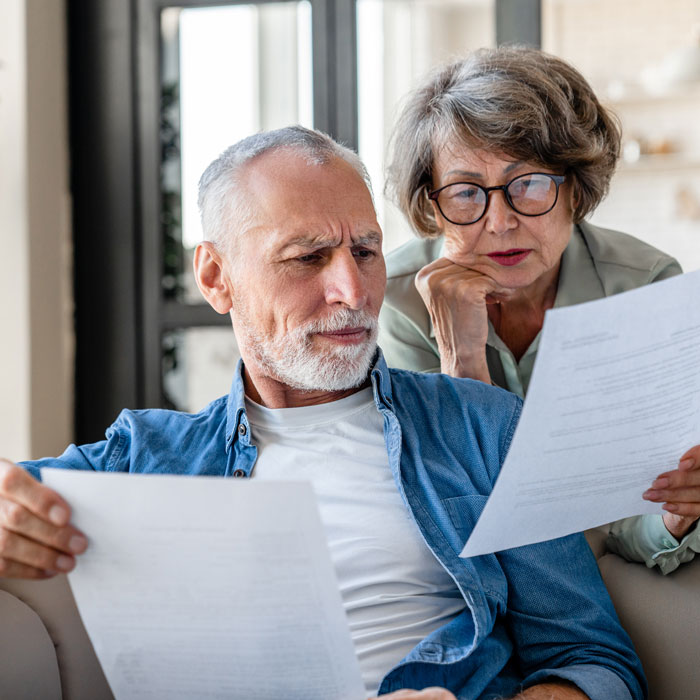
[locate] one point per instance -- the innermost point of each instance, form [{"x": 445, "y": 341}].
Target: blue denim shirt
[{"x": 531, "y": 613}]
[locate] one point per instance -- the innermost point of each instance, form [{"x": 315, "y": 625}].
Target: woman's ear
[
  {"x": 210, "y": 273},
  {"x": 439, "y": 221},
  {"x": 574, "y": 196}
]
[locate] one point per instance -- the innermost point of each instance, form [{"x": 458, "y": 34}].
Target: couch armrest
[
  {"x": 81, "y": 675},
  {"x": 662, "y": 616},
  {"x": 28, "y": 665}
]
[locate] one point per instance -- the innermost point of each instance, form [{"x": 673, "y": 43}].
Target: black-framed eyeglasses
[{"x": 531, "y": 194}]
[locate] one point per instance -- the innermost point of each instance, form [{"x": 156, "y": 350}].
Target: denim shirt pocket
[{"x": 464, "y": 511}]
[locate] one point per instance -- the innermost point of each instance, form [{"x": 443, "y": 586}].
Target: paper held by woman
[{"x": 614, "y": 401}]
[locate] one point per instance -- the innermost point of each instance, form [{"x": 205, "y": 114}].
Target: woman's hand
[
  {"x": 456, "y": 298},
  {"x": 679, "y": 490}
]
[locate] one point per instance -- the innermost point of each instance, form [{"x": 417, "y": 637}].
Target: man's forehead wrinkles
[{"x": 325, "y": 240}]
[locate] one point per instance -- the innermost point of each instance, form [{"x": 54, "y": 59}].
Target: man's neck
[{"x": 271, "y": 393}]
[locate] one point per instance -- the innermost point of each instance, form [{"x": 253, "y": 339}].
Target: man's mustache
[{"x": 344, "y": 318}]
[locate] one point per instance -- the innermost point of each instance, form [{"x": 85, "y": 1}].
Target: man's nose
[
  {"x": 500, "y": 216},
  {"x": 344, "y": 282}
]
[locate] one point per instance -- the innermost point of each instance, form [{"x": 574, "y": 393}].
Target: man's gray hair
[{"x": 223, "y": 208}]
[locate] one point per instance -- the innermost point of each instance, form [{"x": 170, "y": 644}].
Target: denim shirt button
[
  {"x": 239, "y": 473},
  {"x": 388, "y": 400},
  {"x": 242, "y": 430}
]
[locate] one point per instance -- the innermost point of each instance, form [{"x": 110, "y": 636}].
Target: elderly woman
[{"x": 498, "y": 159}]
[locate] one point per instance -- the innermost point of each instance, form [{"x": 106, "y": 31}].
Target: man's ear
[{"x": 209, "y": 271}]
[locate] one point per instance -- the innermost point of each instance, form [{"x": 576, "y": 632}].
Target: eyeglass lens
[{"x": 464, "y": 202}]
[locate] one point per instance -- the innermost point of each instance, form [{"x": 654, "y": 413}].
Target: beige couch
[{"x": 46, "y": 654}]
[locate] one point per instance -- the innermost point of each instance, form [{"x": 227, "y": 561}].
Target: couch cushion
[{"x": 596, "y": 537}]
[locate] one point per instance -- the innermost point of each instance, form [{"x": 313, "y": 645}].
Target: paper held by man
[
  {"x": 209, "y": 588},
  {"x": 614, "y": 401}
]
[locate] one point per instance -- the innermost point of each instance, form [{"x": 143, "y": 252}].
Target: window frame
[{"x": 114, "y": 98}]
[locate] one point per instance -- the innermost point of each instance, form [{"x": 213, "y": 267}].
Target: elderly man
[{"x": 402, "y": 463}]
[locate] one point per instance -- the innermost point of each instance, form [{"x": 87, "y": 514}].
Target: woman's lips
[{"x": 508, "y": 258}]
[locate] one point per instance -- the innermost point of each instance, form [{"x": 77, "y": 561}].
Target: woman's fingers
[
  {"x": 444, "y": 276},
  {"x": 690, "y": 460},
  {"x": 679, "y": 491},
  {"x": 678, "y": 485},
  {"x": 456, "y": 299}
]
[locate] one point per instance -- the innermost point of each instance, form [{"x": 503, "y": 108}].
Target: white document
[
  {"x": 614, "y": 400},
  {"x": 204, "y": 587}
]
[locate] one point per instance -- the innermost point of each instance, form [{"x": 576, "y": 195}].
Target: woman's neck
[{"x": 519, "y": 319}]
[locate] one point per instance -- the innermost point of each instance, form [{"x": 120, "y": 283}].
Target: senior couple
[{"x": 402, "y": 462}]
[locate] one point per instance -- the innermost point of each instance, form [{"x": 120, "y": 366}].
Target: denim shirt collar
[
  {"x": 381, "y": 382},
  {"x": 237, "y": 420}
]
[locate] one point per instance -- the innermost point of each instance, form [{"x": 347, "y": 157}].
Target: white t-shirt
[{"x": 394, "y": 591}]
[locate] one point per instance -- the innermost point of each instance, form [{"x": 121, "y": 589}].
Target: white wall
[
  {"x": 639, "y": 56},
  {"x": 36, "y": 337}
]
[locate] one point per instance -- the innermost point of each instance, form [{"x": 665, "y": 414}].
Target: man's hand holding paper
[{"x": 36, "y": 538}]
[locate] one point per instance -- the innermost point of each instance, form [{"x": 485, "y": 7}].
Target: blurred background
[{"x": 111, "y": 109}]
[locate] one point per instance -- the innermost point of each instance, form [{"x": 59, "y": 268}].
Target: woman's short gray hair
[
  {"x": 514, "y": 100},
  {"x": 222, "y": 207}
]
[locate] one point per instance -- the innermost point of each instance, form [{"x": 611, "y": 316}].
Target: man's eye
[
  {"x": 310, "y": 258},
  {"x": 364, "y": 253}
]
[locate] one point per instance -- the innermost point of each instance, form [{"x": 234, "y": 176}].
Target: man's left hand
[
  {"x": 556, "y": 690},
  {"x": 425, "y": 694},
  {"x": 679, "y": 491}
]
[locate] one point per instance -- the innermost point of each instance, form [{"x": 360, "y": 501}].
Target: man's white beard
[{"x": 296, "y": 363}]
